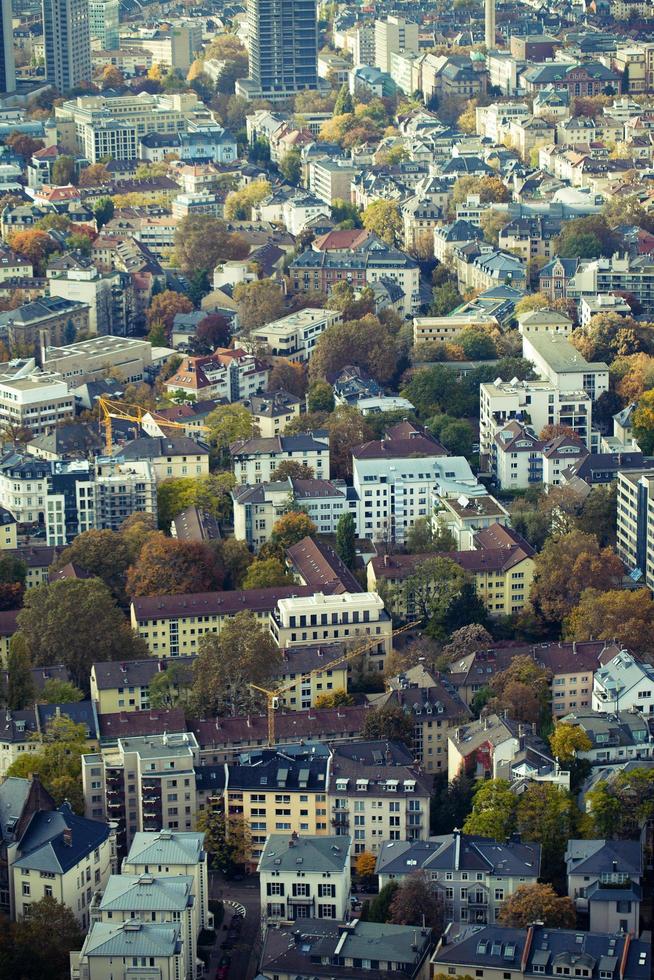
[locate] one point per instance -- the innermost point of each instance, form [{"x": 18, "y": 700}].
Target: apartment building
[
  {"x": 24, "y": 486},
  {"x": 596, "y": 869},
  {"x": 89, "y": 360},
  {"x": 170, "y": 457},
  {"x": 620, "y": 273},
  {"x": 555, "y": 359},
  {"x": 294, "y": 336},
  {"x": 272, "y": 411},
  {"x": 395, "y": 34},
  {"x": 616, "y": 737},
  {"x": 119, "y": 489},
  {"x": 145, "y": 945},
  {"x": 124, "y": 686},
  {"x": 344, "y": 617},
  {"x": 330, "y": 179},
  {"x": 257, "y": 508},
  {"x": 465, "y": 515},
  {"x": 572, "y": 667},
  {"x": 472, "y": 875},
  {"x": 229, "y": 373},
  {"x": 635, "y": 521},
  {"x": 497, "y": 738},
  {"x": 544, "y": 321},
  {"x": 254, "y": 460},
  {"x": 147, "y": 783},
  {"x": 624, "y": 684},
  {"x": 304, "y": 877},
  {"x": 34, "y": 400},
  {"x": 8, "y": 530},
  {"x": 377, "y": 794}
]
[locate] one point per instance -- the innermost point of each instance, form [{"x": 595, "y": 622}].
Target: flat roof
[{"x": 562, "y": 356}]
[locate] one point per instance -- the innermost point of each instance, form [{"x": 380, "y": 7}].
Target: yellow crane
[
  {"x": 272, "y": 697},
  {"x": 132, "y": 413}
]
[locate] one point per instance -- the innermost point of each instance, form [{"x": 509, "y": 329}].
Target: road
[{"x": 245, "y": 955}]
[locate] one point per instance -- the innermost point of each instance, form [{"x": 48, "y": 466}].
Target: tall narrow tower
[{"x": 489, "y": 33}]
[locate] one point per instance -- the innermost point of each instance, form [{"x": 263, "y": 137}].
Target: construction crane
[
  {"x": 272, "y": 697},
  {"x": 132, "y": 413}
]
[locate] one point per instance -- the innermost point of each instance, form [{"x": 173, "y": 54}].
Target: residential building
[
  {"x": 464, "y": 516},
  {"x": 555, "y": 358},
  {"x": 147, "y": 945},
  {"x": 258, "y": 507},
  {"x": 330, "y": 179},
  {"x": 481, "y": 746},
  {"x": 304, "y": 877},
  {"x": 635, "y": 528},
  {"x": 541, "y": 951},
  {"x": 282, "y": 48},
  {"x": 147, "y": 783},
  {"x": 294, "y": 336},
  {"x": 229, "y": 373},
  {"x": 8, "y": 530},
  {"x": 37, "y": 401},
  {"x": 377, "y": 794},
  {"x": 445, "y": 329},
  {"x": 23, "y": 486},
  {"x": 516, "y": 457},
  {"x": 544, "y": 321},
  {"x": 589, "y": 78},
  {"x": 120, "y": 489},
  {"x": 89, "y": 360},
  {"x": 170, "y": 457},
  {"x": 103, "y": 23},
  {"x": 572, "y": 667},
  {"x": 125, "y": 685},
  {"x": 255, "y": 460},
  {"x": 393, "y": 35},
  {"x": 472, "y": 875},
  {"x": 272, "y": 411},
  {"x": 620, "y": 273},
  {"x": 624, "y": 684},
  {"x": 67, "y": 43},
  {"x": 604, "y": 878},
  {"x": 616, "y": 737},
  {"x": 589, "y": 306}
]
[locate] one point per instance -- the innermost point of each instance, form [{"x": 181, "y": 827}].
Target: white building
[
  {"x": 557, "y": 360},
  {"x": 394, "y": 34},
  {"x": 602, "y": 303},
  {"x": 36, "y": 400},
  {"x": 294, "y": 336},
  {"x": 624, "y": 684},
  {"x": 516, "y": 459},
  {"x": 544, "y": 321},
  {"x": 255, "y": 460},
  {"x": 302, "y": 877},
  {"x": 129, "y": 949}
]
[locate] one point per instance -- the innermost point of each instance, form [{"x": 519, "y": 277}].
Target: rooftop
[{"x": 308, "y": 854}]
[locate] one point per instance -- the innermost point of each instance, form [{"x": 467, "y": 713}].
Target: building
[
  {"x": 555, "y": 358},
  {"x": 393, "y": 35},
  {"x": 295, "y": 335},
  {"x": 8, "y": 530},
  {"x": 624, "y": 684},
  {"x": 103, "y": 23},
  {"x": 62, "y": 856},
  {"x": 89, "y": 360},
  {"x": 158, "y": 948},
  {"x": 572, "y": 667},
  {"x": 481, "y": 746},
  {"x": 258, "y": 507},
  {"x": 544, "y": 321},
  {"x": 125, "y": 685},
  {"x": 7, "y": 64},
  {"x": 303, "y": 877},
  {"x": 53, "y": 318},
  {"x": 616, "y": 737},
  {"x": 635, "y": 525},
  {"x": 169, "y": 456},
  {"x": 282, "y": 49},
  {"x": 67, "y": 43},
  {"x": 120, "y": 489},
  {"x": 23, "y": 487},
  {"x": 255, "y": 460},
  {"x": 272, "y": 411},
  {"x": 316, "y": 945},
  {"x": 146, "y": 784},
  {"x": 229, "y": 373},
  {"x": 604, "y": 878},
  {"x": 472, "y": 875}
]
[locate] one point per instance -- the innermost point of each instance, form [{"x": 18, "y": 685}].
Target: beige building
[
  {"x": 35, "y": 401},
  {"x": 91, "y": 360},
  {"x": 125, "y": 686},
  {"x": 445, "y": 329},
  {"x": 395, "y": 34},
  {"x": 8, "y": 532},
  {"x": 294, "y": 336},
  {"x": 170, "y": 457},
  {"x": 305, "y": 874},
  {"x": 115, "y": 952},
  {"x": 635, "y": 521}
]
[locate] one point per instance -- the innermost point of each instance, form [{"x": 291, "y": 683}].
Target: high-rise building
[
  {"x": 283, "y": 49},
  {"x": 103, "y": 23},
  {"x": 67, "y": 42},
  {"x": 489, "y": 32},
  {"x": 7, "y": 65},
  {"x": 394, "y": 36}
]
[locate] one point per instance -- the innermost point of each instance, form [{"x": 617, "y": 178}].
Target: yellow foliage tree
[
  {"x": 238, "y": 204},
  {"x": 366, "y": 863},
  {"x": 566, "y": 740},
  {"x": 333, "y": 130}
]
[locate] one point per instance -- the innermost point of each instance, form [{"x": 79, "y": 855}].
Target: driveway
[{"x": 246, "y": 952}]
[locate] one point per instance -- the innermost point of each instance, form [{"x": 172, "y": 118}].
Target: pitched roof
[
  {"x": 320, "y": 567},
  {"x": 128, "y": 724},
  {"x": 166, "y": 847},
  {"x": 329, "y": 855},
  {"x": 57, "y": 840},
  {"x": 215, "y": 603}
]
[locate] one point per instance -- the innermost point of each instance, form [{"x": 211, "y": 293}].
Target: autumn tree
[
  {"x": 491, "y": 190},
  {"x": 493, "y": 812},
  {"x": 214, "y": 331},
  {"x": 95, "y": 175},
  {"x": 333, "y": 699},
  {"x": 104, "y": 554},
  {"x": 429, "y": 590},
  {"x": 607, "y": 336},
  {"x": 390, "y": 723},
  {"x": 243, "y": 653},
  {"x": 165, "y": 306},
  {"x": 426, "y": 535},
  {"x": 567, "y": 740},
  {"x": 40, "y": 944},
  {"x": 467, "y": 640},
  {"x": 288, "y": 376},
  {"x": 365, "y": 864},
  {"x": 75, "y": 622},
  {"x": 228, "y": 424},
  {"x": 112, "y": 77},
  {"x": 35, "y": 246},
  {"x": 239, "y": 204},
  {"x": 266, "y": 573},
  {"x": 209, "y": 492},
  {"x": 227, "y": 839},
  {"x": 292, "y": 469},
  {"x": 384, "y": 218},
  {"x": 258, "y": 303},
  {"x": 347, "y": 429},
  {"x": 23, "y": 145},
  {"x": 567, "y": 565},
  {"x": 202, "y": 242},
  {"x": 366, "y": 343},
  {"x": 603, "y": 615},
  {"x": 547, "y": 815},
  {"x": 167, "y": 566},
  {"x": 346, "y": 540},
  {"x": 63, "y": 170},
  {"x": 522, "y": 689},
  {"x": 288, "y": 530},
  {"x": 537, "y": 903},
  {"x": 622, "y": 806},
  {"x": 491, "y": 223},
  {"x": 416, "y": 902},
  {"x": 58, "y": 761}
]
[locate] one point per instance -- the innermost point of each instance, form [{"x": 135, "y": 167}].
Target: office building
[
  {"x": 392, "y": 36},
  {"x": 7, "y": 65},
  {"x": 67, "y": 43},
  {"x": 282, "y": 48},
  {"x": 103, "y": 23}
]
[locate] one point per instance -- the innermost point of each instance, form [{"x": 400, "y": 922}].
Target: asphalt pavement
[{"x": 245, "y": 954}]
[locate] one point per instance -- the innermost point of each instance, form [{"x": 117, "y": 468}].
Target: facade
[
  {"x": 255, "y": 460},
  {"x": 302, "y": 877},
  {"x": 282, "y": 48},
  {"x": 472, "y": 875},
  {"x": 257, "y": 508},
  {"x": 295, "y": 335},
  {"x": 35, "y": 401},
  {"x": 624, "y": 684},
  {"x": 67, "y": 43},
  {"x": 7, "y": 63},
  {"x": 229, "y": 373},
  {"x": 393, "y": 35},
  {"x": 635, "y": 525},
  {"x": 148, "y": 945},
  {"x": 125, "y": 686},
  {"x": 169, "y": 456},
  {"x": 88, "y": 360},
  {"x": 103, "y": 23},
  {"x": 555, "y": 358},
  {"x": 604, "y": 878},
  {"x": 52, "y": 317}
]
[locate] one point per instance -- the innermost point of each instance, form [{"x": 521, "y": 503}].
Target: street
[{"x": 246, "y": 952}]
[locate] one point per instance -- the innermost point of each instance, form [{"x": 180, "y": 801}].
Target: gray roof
[
  {"x": 464, "y": 852},
  {"x": 596, "y": 857},
  {"x": 136, "y": 673},
  {"x": 312, "y": 854},
  {"x": 146, "y": 893},
  {"x": 132, "y": 939},
  {"x": 155, "y": 447},
  {"x": 13, "y": 796},
  {"x": 598, "y": 892},
  {"x": 44, "y": 845},
  {"x": 166, "y": 847}
]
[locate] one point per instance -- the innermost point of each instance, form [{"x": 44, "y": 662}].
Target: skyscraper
[
  {"x": 7, "y": 65},
  {"x": 489, "y": 32},
  {"x": 67, "y": 42},
  {"x": 103, "y": 23},
  {"x": 283, "y": 49}
]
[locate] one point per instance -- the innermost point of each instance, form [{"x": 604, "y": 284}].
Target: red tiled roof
[
  {"x": 316, "y": 723},
  {"x": 123, "y": 724},
  {"x": 216, "y": 603},
  {"x": 320, "y": 567}
]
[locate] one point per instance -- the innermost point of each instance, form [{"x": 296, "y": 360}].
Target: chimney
[
  {"x": 68, "y": 837},
  {"x": 387, "y": 561}
]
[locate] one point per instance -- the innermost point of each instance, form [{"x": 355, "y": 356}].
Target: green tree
[
  {"x": 426, "y": 535},
  {"x": 236, "y": 559},
  {"x": 450, "y": 802},
  {"x": 379, "y": 909},
  {"x": 321, "y": 397},
  {"x": 567, "y": 740},
  {"x": 457, "y": 436},
  {"x": 346, "y": 540},
  {"x": 389, "y": 723},
  {"x": 228, "y": 840},
  {"x": 103, "y": 210},
  {"x": 59, "y": 692},
  {"x": 243, "y": 653},
  {"x": 228, "y": 424},
  {"x": 63, "y": 171},
  {"x": 290, "y": 167},
  {"x": 493, "y": 811},
  {"x": 266, "y": 573},
  {"x": 445, "y": 299},
  {"x": 58, "y": 762},
  {"x": 477, "y": 344},
  {"x": 210, "y": 493},
  {"x": 20, "y": 683},
  {"x": 12, "y": 570},
  {"x": 75, "y": 622},
  {"x": 170, "y": 687},
  {"x": 547, "y": 816},
  {"x": 384, "y": 218},
  {"x": 592, "y": 233},
  {"x": 344, "y": 102},
  {"x": 344, "y": 213},
  {"x": 40, "y": 944},
  {"x": 429, "y": 590}
]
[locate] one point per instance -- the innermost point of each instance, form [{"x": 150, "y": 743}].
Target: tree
[
  {"x": 466, "y": 608},
  {"x": 266, "y": 573},
  {"x": 59, "y": 692},
  {"x": 493, "y": 811},
  {"x": 522, "y": 689},
  {"x": 239, "y": 204},
  {"x": 165, "y": 306},
  {"x": 615, "y": 613},
  {"x": 292, "y": 469},
  {"x": 379, "y": 910},
  {"x": 40, "y": 944},
  {"x": 321, "y": 397},
  {"x": 457, "y": 436},
  {"x": 258, "y": 303},
  {"x": 35, "y": 246},
  {"x": 112, "y": 77},
  {"x": 75, "y": 622},
  {"x": 203, "y": 242},
  {"x": 236, "y": 560},
  {"x": 567, "y": 740},
  {"x": 288, "y": 376},
  {"x": 20, "y": 682},
  {"x": 290, "y": 167},
  {"x": 467, "y": 640},
  {"x": 23, "y": 146},
  {"x": 169, "y": 687},
  {"x": 228, "y": 424},
  {"x": 214, "y": 330},
  {"x": 537, "y": 903},
  {"x": 103, "y": 554},
  {"x": 389, "y": 723},
  {"x": 644, "y": 422},
  {"x": 344, "y": 213},
  {"x": 587, "y": 238},
  {"x": 166, "y": 566},
  {"x": 622, "y": 805},
  {"x": 417, "y": 902},
  {"x": 103, "y": 209},
  {"x": 227, "y": 839},
  {"x": 491, "y": 190},
  {"x": 346, "y": 540},
  {"x": 365, "y": 864},
  {"x": 546, "y": 815},
  {"x": 63, "y": 171},
  {"x": 243, "y": 653},
  {"x": 366, "y": 343},
  {"x": 491, "y": 222},
  {"x": 607, "y": 336},
  {"x": 567, "y": 565},
  {"x": 289, "y": 529},
  {"x": 477, "y": 344},
  {"x": 347, "y": 428},
  {"x": 430, "y": 589},
  {"x": 58, "y": 762},
  {"x": 344, "y": 103},
  {"x": 450, "y": 802},
  {"x": 333, "y": 699},
  {"x": 426, "y": 536},
  {"x": 94, "y": 175},
  {"x": 384, "y": 218}
]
